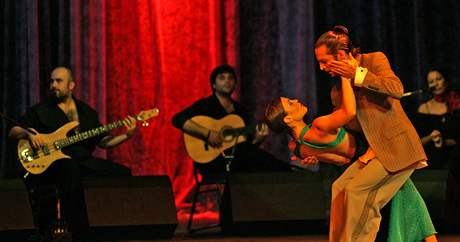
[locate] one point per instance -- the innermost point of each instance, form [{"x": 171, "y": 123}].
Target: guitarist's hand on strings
[
  {"x": 112, "y": 141},
  {"x": 37, "y": 140},
  {"x": 214, "y": 139}
]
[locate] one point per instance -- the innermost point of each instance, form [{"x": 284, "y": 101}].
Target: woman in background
[{"x": 437, "y": 121}]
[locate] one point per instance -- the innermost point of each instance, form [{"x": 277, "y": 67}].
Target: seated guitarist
[
  {"x": 46, "y": 117},
  {"x": 248, "y": 157}
]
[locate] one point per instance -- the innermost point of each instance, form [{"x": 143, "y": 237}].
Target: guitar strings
[{"x": 52, "y": 148}]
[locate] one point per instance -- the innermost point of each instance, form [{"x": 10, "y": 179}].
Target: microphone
[{"x": 407, "y": 94}]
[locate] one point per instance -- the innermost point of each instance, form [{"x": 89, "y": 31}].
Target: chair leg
[
  {"x": 60, "y": 226},
  {"x": 41, "y": 198},
  {"x": 192, "y": 209}
]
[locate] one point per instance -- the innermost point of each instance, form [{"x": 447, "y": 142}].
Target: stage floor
[
  {"x": 303, "y": 238},
  {"x": 214, "y": 235}
]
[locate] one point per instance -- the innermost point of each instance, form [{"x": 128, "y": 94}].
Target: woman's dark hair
[
  {"x": 219, "y": 70},
  {"x": 440, "y": 71},
  {"x": 274, "y": 116},
  {"x": 337, "y": 39}
]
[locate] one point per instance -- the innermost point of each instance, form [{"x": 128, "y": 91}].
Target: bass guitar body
[{"x": 38, "y": 160}]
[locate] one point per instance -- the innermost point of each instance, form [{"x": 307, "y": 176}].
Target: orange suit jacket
[{"x": 381, "y": 117}]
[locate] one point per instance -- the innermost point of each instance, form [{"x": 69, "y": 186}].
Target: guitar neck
[
  {"x": 246, "y": 130},
  {"x": 89, "y": 134}
]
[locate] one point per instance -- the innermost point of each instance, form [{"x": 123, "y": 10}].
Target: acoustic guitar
[
  {"x": 36, "y": 161},
  {"x": 231, "y": 128}
]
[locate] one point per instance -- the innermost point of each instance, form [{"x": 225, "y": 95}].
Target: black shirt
[
  {"x": 248, "y": 157},
  {"x": 447, "y": 124},
  {"x": 46, "y": 117},
  {"x": 209, "y": 106}
]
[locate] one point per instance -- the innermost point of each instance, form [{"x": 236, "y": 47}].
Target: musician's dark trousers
[{"x": 65, "y": 174}]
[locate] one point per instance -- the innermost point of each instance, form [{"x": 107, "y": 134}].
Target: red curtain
[
  {"x": 129, "y": 56},
  {"x": 159, "y": 53}
]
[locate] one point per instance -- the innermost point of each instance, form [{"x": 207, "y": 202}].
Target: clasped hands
[{"x": 438, "y": 141}]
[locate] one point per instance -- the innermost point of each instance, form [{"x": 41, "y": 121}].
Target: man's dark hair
[
  {"x": 69, "y": 72},
  {"x": 337, "y": 39},
  {"x": 219, "y": 70}
]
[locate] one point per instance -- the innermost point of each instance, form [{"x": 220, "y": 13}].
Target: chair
[
  {"x": 209, "y": 183},
  {"x": 46, "y": 209}
]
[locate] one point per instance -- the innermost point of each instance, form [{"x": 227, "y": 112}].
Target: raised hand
[
  {"x": 131, "y": 125},
  {"x": 262, "y": 131}
]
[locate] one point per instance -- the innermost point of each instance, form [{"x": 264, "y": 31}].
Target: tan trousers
[{"x": 357, "y": 197}]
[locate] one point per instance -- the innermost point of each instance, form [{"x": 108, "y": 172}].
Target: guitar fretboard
[{"x": 59, "y": 144}]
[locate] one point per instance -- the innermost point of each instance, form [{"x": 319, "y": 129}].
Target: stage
[
  {"x": 303, "y": 238},
  {"x": 261, "y": 207}
]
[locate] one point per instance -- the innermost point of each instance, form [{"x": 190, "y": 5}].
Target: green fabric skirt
[{"x": 409, "y": 217}]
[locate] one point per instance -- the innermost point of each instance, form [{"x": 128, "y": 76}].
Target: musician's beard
[{"x": 56, "y": 98}]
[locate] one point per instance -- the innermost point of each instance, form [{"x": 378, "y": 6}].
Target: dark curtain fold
[
  {"x": 133, "y": 55},
  {"x": 20, "y": 70},
  {"x": 277, "y": 58},
  {"x": 415, "y": 35}
]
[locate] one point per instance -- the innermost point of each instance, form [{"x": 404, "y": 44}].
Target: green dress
[{"x": 409, "y": 217}]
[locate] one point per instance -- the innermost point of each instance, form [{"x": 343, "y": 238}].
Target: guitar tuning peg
[{"x": 145, "y": 124}]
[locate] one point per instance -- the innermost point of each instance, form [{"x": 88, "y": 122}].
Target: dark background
[{"x": 272, "y": 51}]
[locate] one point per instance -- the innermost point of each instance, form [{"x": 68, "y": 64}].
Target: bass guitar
[{"x": 36, "y": 161}]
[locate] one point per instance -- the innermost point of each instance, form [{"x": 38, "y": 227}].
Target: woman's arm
[
  {"x": 376, "y": 77},
  {"x": 333, "y": 159},
  {"x": 342, "y": 114}
]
